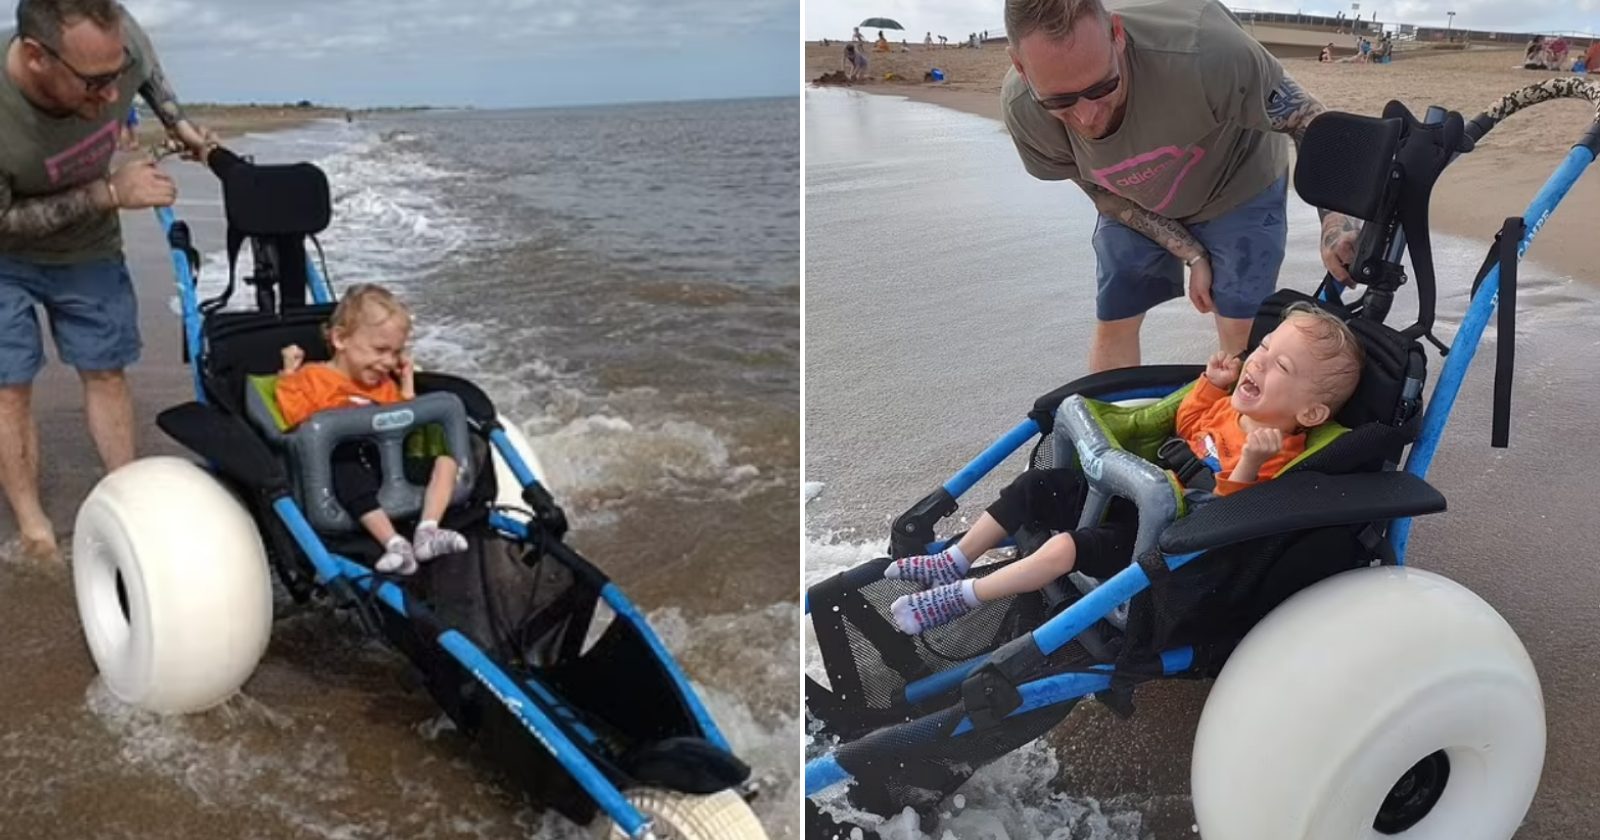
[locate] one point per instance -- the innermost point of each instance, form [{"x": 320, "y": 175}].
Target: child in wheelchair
[
  {"x": 370, "y": 365},
  {"x": 1299, "y": 377}
]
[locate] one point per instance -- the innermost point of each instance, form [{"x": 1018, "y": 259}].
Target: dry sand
[
  {"x": 1471, "y": 200},
  {"x": 230, "y": 121}
]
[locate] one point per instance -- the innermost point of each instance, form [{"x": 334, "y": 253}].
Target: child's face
[
  {"x": 371, "y": 351},
  {"x": 1277, "y": 386}
]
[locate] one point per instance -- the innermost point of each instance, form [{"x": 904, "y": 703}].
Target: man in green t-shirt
[
  {"x": 1172, "y": 119},
  {"x": 72, "y": 68}
]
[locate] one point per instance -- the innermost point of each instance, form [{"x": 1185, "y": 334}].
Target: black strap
[
  {"x": 1505, "y": 356},
  {"x": 1192, "y": 472}
]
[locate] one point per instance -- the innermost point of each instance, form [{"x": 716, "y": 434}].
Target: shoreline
[{"x": 1510, "y": 166}]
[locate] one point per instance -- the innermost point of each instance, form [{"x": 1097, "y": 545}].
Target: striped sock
[
  {"x": 947, "y": 566},
  {"x": 925, "y": 610}
]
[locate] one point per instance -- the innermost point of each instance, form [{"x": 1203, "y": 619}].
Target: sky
[
  {"x": 957, "y": 18},
  {"x": 485, "y": 53}
]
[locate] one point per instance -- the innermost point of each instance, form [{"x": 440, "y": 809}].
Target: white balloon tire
[
  {"x": 1338, "y": 692},
  {"x": 195, "y": 575},
  {"x": 508, "y": 491},
  {"x": 723, "y": 815}
]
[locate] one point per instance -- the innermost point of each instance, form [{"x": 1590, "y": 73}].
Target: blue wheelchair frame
[
  {"x": 533, "y": 704},
  {"x": 824, "y": 771}
]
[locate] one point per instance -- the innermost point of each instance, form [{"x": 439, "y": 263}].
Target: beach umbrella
[{"x": 882, "y": 23}]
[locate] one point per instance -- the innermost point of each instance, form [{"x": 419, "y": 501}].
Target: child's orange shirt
[
  {"x": 1210, "y": 423},
  {"x": 315, "y": 388}
]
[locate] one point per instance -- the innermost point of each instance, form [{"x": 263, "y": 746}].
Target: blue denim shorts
[
  {"x": 1246, "y": 246},
  {"x": 94, "y": 316}
]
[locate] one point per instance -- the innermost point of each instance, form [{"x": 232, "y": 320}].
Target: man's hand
[
  {"x": 1339, "y": 235},
  {"x": 139, "y": 184},
  {"x": 191, "y": 141},
  {"x": 1222, "y": 370},
  {"x": 1200, "y": 284},
  {"x": 293, "y": 358}
]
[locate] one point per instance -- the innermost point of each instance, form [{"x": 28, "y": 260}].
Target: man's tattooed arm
[
  {"x": 1291, "y": 109},
  {"x": 158, "y": 93},
  {"x": 1165, "y": 232},
  {"x": 37, "y": 217}
]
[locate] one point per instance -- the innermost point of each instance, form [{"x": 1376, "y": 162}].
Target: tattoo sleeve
[
  {"x": 1291, "y": 109},
  {"x": 1167, "y": 233},
  {"x": 36, "y": 217},
  {"x": 162, "y": 100}
]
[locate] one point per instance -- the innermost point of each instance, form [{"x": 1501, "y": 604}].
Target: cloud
[{"x": 504, "y": 52}]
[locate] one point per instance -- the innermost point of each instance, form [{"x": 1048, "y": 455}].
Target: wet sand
[
  {"x": 914, "y": 212},
  {"x": 1510, "y": 166}
]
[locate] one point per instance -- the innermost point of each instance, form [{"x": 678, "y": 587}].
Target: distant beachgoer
[
  {"x": 927, "y": 40},
  {"x": 128, "y": 137},
  {"x": 882, "y": 44},
  {"x": 858, "y": 38},
  {"x": 1557, "y": 49},
  {"x": 1327, "y": 53},
  {"x": 1591, "y": 59},
  {"x": 1180, "y": 184},
  {"x": 943, "y": 42},
  {"x": 1365, "y": 48},
  {"x": 1533, "y": 57},
  {"x": 855, "y": 63}
]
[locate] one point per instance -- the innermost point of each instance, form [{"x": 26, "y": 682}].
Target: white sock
[{"x": 398, "y": 558}]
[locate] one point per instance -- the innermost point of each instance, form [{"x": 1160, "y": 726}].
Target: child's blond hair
[
  {"x": 1331, "y": 340},
  {"x": 364, "y": 304}
]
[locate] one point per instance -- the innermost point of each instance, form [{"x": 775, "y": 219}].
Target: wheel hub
[{"x": 1412, "y": 798}]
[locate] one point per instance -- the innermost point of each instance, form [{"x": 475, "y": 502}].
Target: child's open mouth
[{"x": 1248, "y": 388}]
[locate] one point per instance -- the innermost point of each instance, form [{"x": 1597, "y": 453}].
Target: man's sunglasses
[
  {"x": 98, "y": 81},
  {"x": 1063, "y": 101}
]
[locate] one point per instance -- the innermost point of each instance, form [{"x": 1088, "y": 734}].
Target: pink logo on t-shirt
[
  {"x": 1151, "y": 177},
  {"x": 86, "y": 160}
]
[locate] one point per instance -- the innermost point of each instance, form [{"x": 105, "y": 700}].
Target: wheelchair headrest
[{"x": 277, "y": 200}]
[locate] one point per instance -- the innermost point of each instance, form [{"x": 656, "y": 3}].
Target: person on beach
[
  {"x": 72, "y": 68},
  {"x": 857, "y": 38},
  {"x": 1591, "y": 59},
  {"x": 1172, "y": 119},
  {"x": 927, "y": 40},
  {"x": 855, "y": 63},
  {"x": 368, "y": 332},
  {"x": 1302, "y": 373},
  {"x": 1327, "y": 53},
  {"x": 882, "y": 44},
  {"x": 128, "y": 137}
]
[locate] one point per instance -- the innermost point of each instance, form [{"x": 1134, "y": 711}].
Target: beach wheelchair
[
  {"x": 1354, "y": 695},
  {"x": 529, "y": 648}
]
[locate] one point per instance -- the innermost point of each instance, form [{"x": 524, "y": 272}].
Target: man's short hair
[
  {"x": 1054, "y": 18},
  {"x": 44, "y": 20}
]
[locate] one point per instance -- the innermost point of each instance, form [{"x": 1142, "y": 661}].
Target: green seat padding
[{"x": 267, "y": 387}]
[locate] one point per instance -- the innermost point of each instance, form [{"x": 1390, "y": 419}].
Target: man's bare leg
[
  {"x": 109, "y": 406},
  {"x": 1233, "y": 334},
  {"x": 19, "y": 469},
  {"x": 1116, "y": 344}
]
